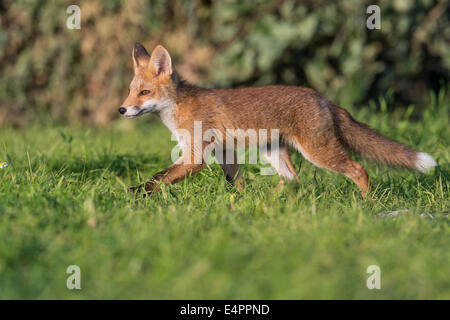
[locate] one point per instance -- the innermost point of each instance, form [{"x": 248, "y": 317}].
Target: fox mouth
[
  {"x": 130, "y": 116},
  {"x": 150, "y": 106},
  {"x": 136, "y": 112}
]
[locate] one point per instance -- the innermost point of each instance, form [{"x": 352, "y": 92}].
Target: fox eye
[{"x": 144, "y": 92}]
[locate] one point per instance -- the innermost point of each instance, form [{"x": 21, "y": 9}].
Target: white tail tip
[{"x": 424, "y": 162}]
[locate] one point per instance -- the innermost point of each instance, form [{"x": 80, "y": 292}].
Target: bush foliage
[{"x": 83, "y": 75}]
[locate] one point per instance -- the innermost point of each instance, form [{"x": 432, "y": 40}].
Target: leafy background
[{"x": 81, "y": 76}]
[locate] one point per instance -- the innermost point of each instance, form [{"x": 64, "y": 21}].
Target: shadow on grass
[{"x": 118, "y": 164}]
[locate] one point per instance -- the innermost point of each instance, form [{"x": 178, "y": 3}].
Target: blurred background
[{"x": 48, "y": 71}]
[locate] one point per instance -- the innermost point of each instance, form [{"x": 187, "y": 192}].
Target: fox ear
[
  {"x": 160, "y": 62},
  {"x": 140, "y": 56}
]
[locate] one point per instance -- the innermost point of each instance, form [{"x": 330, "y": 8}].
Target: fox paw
[
  {"x": 139, "y": 191},
  {"x": 135, "y": 191}
]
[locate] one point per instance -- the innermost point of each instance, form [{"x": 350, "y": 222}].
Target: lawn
[{"x": 63, "y": 202}]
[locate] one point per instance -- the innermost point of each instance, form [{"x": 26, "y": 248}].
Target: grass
[{"x": 63, "y": 202}]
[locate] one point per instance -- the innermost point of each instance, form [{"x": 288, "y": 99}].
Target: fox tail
[{"x": 370, "y": 144}]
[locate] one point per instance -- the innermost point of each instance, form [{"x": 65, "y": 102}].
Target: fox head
[{"x": 152, "y": 87}]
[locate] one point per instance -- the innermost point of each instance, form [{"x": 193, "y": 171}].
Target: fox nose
[{"x": 122, "y": 110}]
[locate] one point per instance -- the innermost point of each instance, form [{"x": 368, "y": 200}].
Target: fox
[{"x": 307, "y": 122}]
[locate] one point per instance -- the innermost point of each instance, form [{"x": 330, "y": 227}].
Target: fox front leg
[
  {"x": 188, "y": 164},
  {"x": 231, "y": 169},
  {"x": 173, "y": 174}
]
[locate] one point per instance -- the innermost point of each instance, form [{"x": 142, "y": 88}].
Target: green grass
[{"x": 63, "y": 202}]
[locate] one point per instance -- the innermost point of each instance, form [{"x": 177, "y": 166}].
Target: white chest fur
[{"x": 167, "y": 116}]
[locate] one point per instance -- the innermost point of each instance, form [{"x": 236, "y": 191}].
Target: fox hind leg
[
  {"x": 284, "y": 154},
  {"x": 280, "y": 160},
  {"x": 233, "y": 172},
  {"x": 359, "y": 175},
  {"x": 334, "y": 157}
]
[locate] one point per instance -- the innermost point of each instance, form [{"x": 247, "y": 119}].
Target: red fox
[{"x": 320, "y": 130}]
